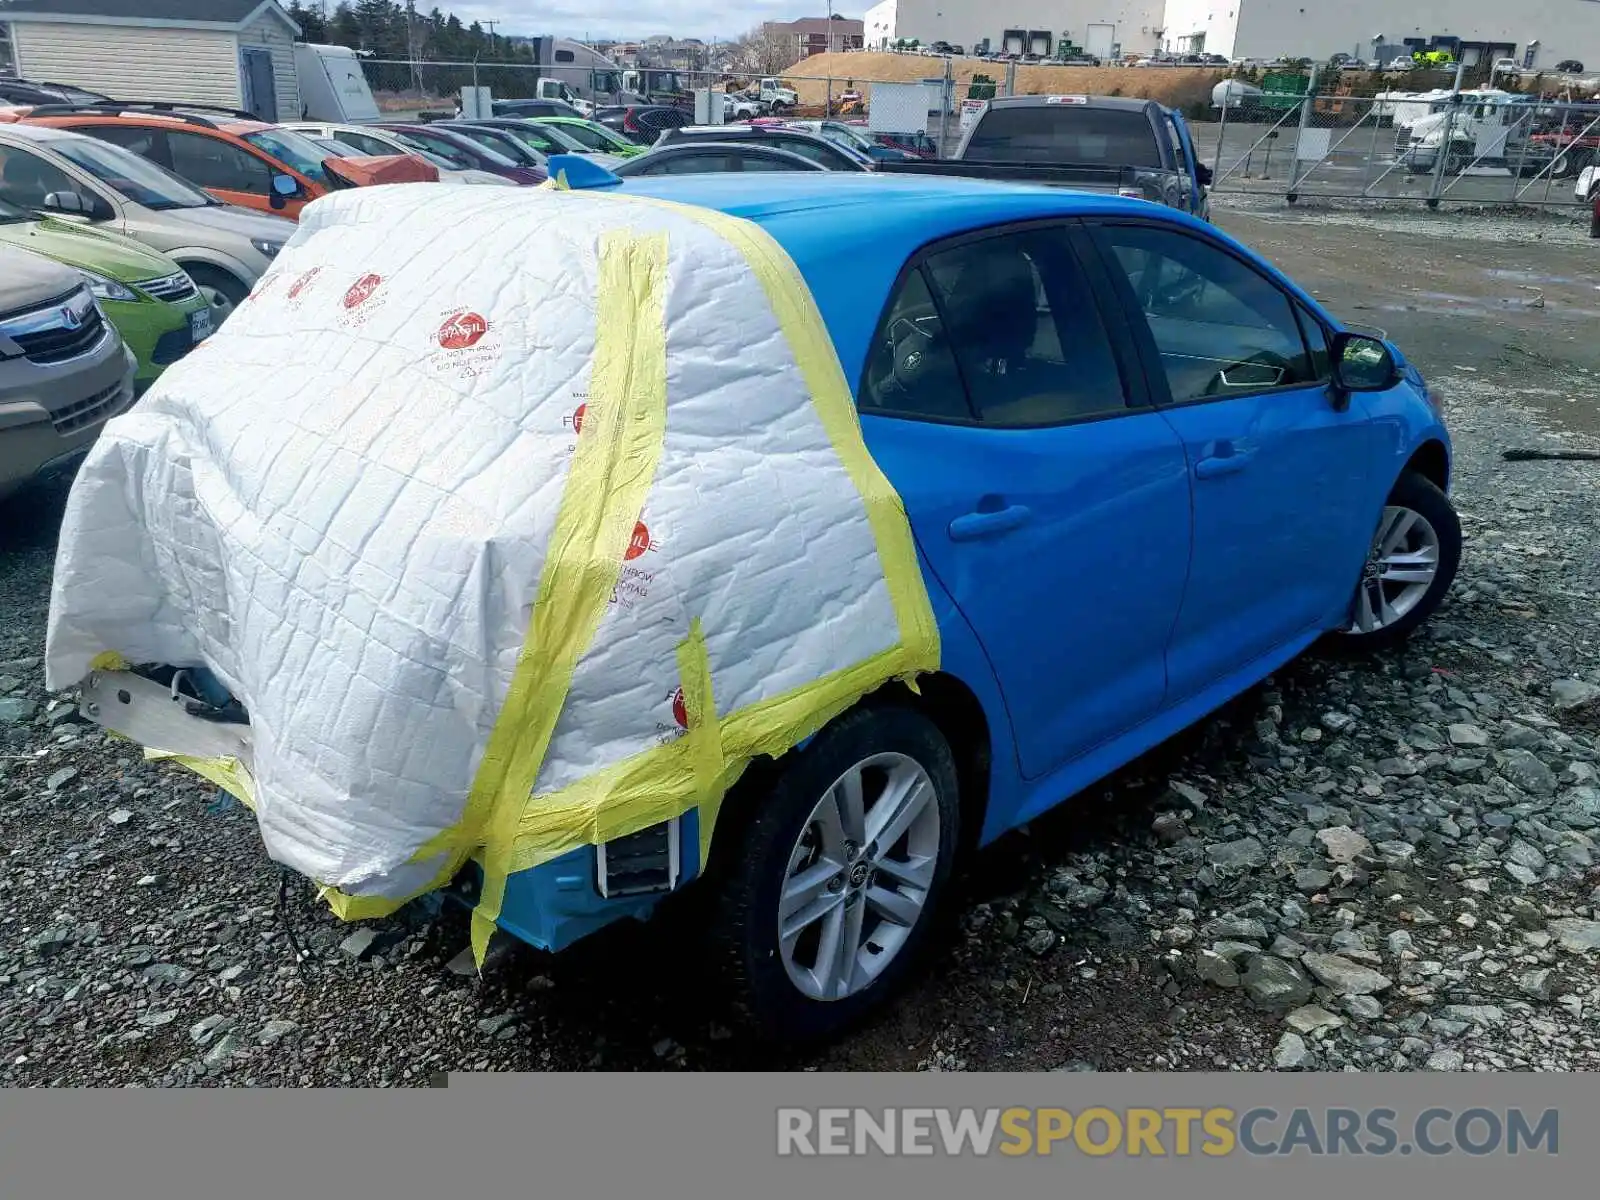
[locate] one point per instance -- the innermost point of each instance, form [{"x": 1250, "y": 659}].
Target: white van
[{"x": 332, "y": 85}]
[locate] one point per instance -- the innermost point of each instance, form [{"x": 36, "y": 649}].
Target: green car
[
  {"x": 594, "y": 135},
  {"x": 156, "y": 308}
]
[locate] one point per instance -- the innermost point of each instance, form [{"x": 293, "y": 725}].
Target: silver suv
[
  {"x": 64, "y": 372},
  {"x": 224, "y": 248}
]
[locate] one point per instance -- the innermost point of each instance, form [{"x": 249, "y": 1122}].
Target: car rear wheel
[
  {"x": 222, "y": 291},
  {"x": 1410, "y": 565},
  {"x": 830, "y": 897}
]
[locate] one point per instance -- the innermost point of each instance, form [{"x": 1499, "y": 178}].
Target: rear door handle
[
  {"x": 1225, "y": 459},
  {"x": 989, "y": 524}
]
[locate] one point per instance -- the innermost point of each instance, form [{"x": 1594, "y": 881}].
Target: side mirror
[
  {"x": 1203, "y": 174},
  {"x": 67, "y": 203},
  {"x": 1362, "y": 364},
  {"x": 284, "y": 188}
]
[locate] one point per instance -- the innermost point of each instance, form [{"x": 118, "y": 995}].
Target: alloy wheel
[
  {"x": 858, "y": 876},
  {"x": 1399, "y": 570}
]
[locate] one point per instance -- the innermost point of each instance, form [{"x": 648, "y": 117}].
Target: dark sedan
[
  {"x": 827, "y": 154},
  {"x": 463, "y": 153},
  {"x": 643, "y": 123}
]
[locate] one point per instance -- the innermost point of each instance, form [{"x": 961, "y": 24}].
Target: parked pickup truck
[{"x": 1089, "y": 143}]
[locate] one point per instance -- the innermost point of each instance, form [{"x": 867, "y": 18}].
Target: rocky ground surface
[{"x": 1373, "y": 864}]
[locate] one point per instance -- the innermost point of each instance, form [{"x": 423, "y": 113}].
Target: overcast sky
[{"x": 619, "y": 19}]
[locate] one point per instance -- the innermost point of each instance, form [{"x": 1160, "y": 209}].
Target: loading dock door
[{"x": 1098, "y": 43}]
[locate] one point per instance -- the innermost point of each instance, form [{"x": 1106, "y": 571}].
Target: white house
[{"x": 230, "y": 53}]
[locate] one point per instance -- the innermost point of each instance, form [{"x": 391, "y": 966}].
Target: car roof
[
  {"x": 1116, "y": 103},
  {"x": 851, "y": 232}
]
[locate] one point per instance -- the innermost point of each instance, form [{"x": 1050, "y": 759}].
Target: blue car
[{"x": 1144, "y": 469}]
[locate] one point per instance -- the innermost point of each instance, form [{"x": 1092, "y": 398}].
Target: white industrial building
[
  {"x": 1537, "y": 33},
  {"x": 1103, "y": 28}
]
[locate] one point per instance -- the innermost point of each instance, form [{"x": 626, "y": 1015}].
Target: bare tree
[{"x": 761, "y": 52}]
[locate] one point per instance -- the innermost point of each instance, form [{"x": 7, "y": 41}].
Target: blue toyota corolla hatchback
[{"x": 1143, "y": 469}]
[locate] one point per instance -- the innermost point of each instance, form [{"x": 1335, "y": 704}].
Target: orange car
[{"x": 235, "y": 157}]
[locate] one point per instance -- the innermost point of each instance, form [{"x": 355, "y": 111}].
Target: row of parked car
[{"x": 129, "y": 231}]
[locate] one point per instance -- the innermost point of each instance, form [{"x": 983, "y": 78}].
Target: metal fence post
[
  {"x": 1306, "y": 106},
  {"x": 1222, "y": 129},
  {"x": 1436, "y": 188},
  {"x": 947, "y": 92}
]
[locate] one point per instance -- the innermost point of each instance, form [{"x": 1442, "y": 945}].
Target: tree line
[{"x": 385, "y": 29}]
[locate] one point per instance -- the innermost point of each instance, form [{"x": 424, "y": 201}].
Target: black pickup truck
[{"x": 1091, "y": 143}]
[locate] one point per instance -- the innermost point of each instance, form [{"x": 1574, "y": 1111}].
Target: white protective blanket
[{"x": 341, "y": 505}]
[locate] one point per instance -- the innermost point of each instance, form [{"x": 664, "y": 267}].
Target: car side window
[
  {"x": 763, "y": 162},
  {"x": 1221, "y": 328},
  {"x": 213, "y": 163},
  {"x": 912, "y": 370},
  {"x": 26, "y": 179},
  {"x": 684, "y": 164},
  {"x": 146, "y": 143},
  {"x": 1026, "y": 331},
  {"x": 827, "y": 156},
  {"x": 363, "y": 142},
  {"x": 451, "y": 153}
]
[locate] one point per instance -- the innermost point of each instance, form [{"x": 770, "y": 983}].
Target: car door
[
  {"x": 1279, "y": 464},
  {"x": 1047, "y": 498}
]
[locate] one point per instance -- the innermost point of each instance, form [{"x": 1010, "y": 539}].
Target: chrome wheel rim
[
  {"x": 858, "y": 876},
  {"x": 1399, "y": 570},
  {"x": 221, "y": 306}
]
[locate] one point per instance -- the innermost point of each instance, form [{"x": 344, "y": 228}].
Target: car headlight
[
  {"x": 105, "y": 288},
  {"x": 270, "y": 249}
]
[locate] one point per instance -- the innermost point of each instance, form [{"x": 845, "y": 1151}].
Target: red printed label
[
  {"x": 638, "y": 543},
  {"x": 361, "y": 290},
  {"x": 462, "y": 330},
  {"x": 304, "y": 282},
  {"x": 680, "y": 710}
]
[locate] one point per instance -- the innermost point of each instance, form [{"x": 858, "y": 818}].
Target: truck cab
[{"x": 555, "y": 89}]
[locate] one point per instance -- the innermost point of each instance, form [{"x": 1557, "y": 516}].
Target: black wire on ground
[
  {"x": 300, "y": 956},
  {"x": 1551, "y": 456}
]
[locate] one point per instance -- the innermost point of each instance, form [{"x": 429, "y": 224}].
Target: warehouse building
[
  {"x": 1537, "y": 33},
  {"x": 1103, "y": 28}
]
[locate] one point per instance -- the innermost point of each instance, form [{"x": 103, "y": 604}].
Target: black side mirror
[
  {"x": 1203, "y": 174},
  {"x": 284, "y": 187},
  {"x": 1362, "y": 363}
]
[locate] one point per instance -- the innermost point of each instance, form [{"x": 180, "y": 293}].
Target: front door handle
[
  {"x": 1225, "y": 459},
  {"x": 989, "y": 524}
]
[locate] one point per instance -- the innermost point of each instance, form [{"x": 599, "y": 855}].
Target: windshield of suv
[
  {"x": 294, "y": 149},
  {"x": 844, "y": 136},
  {"x": 1066, "y": 133},
  {"x": 131, "y": 177}
]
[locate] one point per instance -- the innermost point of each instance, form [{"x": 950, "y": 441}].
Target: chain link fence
[
  {"x": 1470, "y": 148},
  {"x": 406, "y": 90}
]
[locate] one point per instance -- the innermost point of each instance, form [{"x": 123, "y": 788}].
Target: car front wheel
[
  {"x": 1410, "y": 565},
  {"x": 831, "y": 898}
]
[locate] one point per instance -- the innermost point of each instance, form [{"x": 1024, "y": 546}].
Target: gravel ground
[{"x": 1383, "y": 864}]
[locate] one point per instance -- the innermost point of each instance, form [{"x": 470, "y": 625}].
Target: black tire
[
  {"x": 1422, "y": 496},
  {"x": 751, "y": 871},
  {"x": 228, "y": 286}
]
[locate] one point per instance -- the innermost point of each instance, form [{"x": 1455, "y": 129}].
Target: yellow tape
[{"x": 228, "y": 773}]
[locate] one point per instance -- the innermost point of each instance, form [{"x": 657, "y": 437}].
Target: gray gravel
[{"x": 1375, "y": 864}]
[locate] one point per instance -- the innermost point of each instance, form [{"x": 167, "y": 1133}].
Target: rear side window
[
  {"x": 1066, "y": 133},
  {"x": 1003, "y": 330},
  {"x": 1026, "y": 331}
]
